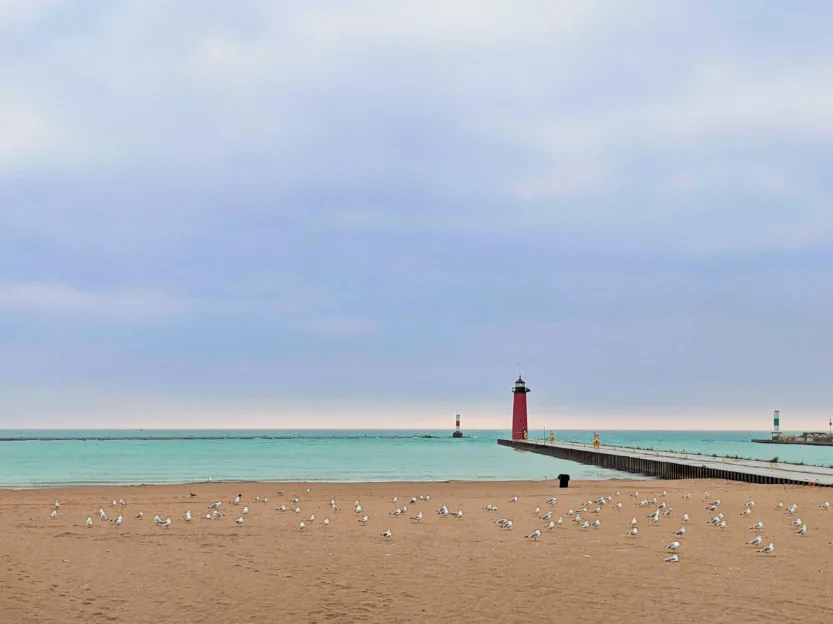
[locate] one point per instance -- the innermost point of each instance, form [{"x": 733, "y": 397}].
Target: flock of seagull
[{"x": 661, "y": 509}]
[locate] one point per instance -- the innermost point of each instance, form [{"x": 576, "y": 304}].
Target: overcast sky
[{"x": 365, "y": 213}]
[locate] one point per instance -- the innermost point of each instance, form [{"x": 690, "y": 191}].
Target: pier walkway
[{"x": 668, "y": 465}]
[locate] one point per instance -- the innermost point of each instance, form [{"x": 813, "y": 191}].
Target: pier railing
[{"x": 670, "y": 465}]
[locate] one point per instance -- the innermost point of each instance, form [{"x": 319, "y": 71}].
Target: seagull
[
  {"x": 664, "y": 493},
  {"x": 825, "y": 505},
  {"x": 387, "y": 533},
  {"x": 552, "y": 501},
  {"x": 245, "y": 510},
  {"x": 443, "y": 511},
  {"x": 746, "y": 512},
  {"x": 307, "y": 490},
  {"x": 121, "y": 502},
  {"x": 802, "y": 530},
  {"x": 215, "y": 505},
  {"x": 489, "y": 507},
  {"x": 560, "y": 521},
  {"x": 458, "y": 515},
  {"x": 755, "y": 541},
  {"x": 417, "y": 517},
  {"x": 114, "y": 503},
  {"x": 551, "y": 525},
  {"x": 296, "y": 500},
  {"x": 793, "y": 508},
  {"x": 396, "y": 512},
  {"x": 654, "y": 517},
  {"x": 363, "y": 520},
  {"x": 157, "y": 519},
  {"x": 796, "y": 522},
  {"x": 216, "y": 514},
  {"x": 332, "y": 502},
  {"x": 633, "y": 531},
  {"x": 239, "y": 521},
  {"x": 672, "y": 559},
  {"x": 668, "y": 511},
  {"x": 311, "y": 518},
  {"x": 187, "y": 516},
  {"x": 680, "y": 531},
  {"x": 89, "y": 521},
  {"x": 514, "y": 499},
  {"x": 57, "y": 504},
  {"x": 596, "y": 523},
  {"x": 413, "y": 500},
  {"x": 427, "y": 498},
  {"x": 264, "y": 501},
  {"x": 618, "y": 506},
  {"x": 759, "y": 525},
  {"x": 779, "y": 506},
  {"x": 687, "y": 496},
  {"x": 685, "y": 517},
  {"x": 358, "y": 508},
  {"x": 571, "y": 512},
  {"x": 297, "y": 510},
  {"x": 394, "y": 499},
  {"x": 282, "y": 508},
  {"x": 662, "y": 505},
  {"x": 673, "y": 546},
  {"x": 166, "y": 524},
  {"x": 722, "y": 525},
  {"x": 768, "y": 549},
  {"x": 750, "y": 503},
  {"x": 207, "y": 517},
  {"x": 54, "y": 514},
  {"x": 547, "y": 516},
  {"x": 633, "y": 521},
  {"x": 584, "y": 525},
  {"x": 597, "y": 510},
  {"x": 538, "y": 510},
  {"x": 236, "y": 500},
  {"x": 507, "y": 524},
  {"x": 325, "y": 523},
  {"x": 301, "y": 525},
  {"x": 502, "y": 521},
  {"x": 117, "y": 521},
  {"x": 534, "y": 535}
]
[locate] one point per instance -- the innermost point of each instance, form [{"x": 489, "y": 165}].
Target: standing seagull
[
  {"x": 825, "y": 505},
  {"x": 239, "y": 521},
  {"x": 673, "y": 546},
  {"x": 534, "y": 535},
  {"x": 417, "y": 517},
  {"x": 387, "y": 533},
  {"x": 139, "y": 515},
  {"x": 672, "y": 559},
  {"x": 768, "y": 549},
  {"x": 802, "y": 530},
  {"x": 89, "y": 521},
  {"x": 57, "y": 504},
  {"x": 755, "y": 541},
  {"x": 54, "y": 514}
]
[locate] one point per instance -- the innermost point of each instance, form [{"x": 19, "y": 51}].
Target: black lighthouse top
[{"x": 520, "y": 386}]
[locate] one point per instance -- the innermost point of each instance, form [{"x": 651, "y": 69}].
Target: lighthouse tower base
[{"x": 457, "y": 434}]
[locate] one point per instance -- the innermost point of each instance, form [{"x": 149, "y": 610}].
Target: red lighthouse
[{"x": 519, "y": 424}]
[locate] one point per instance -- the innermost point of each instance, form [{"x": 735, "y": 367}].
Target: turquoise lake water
[{"x": 324, "y": 456}]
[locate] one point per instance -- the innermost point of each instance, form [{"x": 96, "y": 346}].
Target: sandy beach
[{"x": 467, "y": 569}]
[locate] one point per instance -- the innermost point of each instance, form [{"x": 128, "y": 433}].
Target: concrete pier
[{"x": 668, "y": 465}]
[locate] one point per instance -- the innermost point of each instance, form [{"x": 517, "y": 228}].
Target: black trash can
[{"x": 564, "y": 479}]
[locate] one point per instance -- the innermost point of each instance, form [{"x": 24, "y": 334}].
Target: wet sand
[{"x": 466, "y": 570}]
